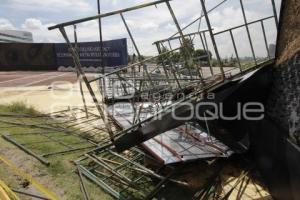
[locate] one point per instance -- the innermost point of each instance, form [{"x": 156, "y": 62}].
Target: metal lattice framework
[
  {"x": 178, "y": 81},
  {"x": 123, "y": 175},
  {"x": 152, "y": 90}
]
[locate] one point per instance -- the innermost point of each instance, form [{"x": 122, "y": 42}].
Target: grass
[
  {"x": 60, "y": 176},
  {"x": 20, "y": 107}
]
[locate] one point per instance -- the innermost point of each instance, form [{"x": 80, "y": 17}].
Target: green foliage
[
  {"x": 201, "y": 55},
  {"x": 187, "y": 49},
  {"x": 186, "y": 52},
  {"x": 21, "y": 107},
  {"x": 163, "y": 59},
  {"x": 176, "y": 57},
  {"x": 142, "y": 57}
]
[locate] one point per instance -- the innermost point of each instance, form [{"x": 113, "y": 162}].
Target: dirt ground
[
  {"x": 45, "y": 91},
  {"x": 25, "y": 79},
  {"x": 39, "y": 172}
]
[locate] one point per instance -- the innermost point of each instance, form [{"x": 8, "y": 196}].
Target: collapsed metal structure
[
  {"x": 141, "y": 87},
  {"x": 137, "y": 101}
]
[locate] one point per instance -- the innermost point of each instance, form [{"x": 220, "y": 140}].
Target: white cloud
[
  {"x": 40, "y": 31},
  {"x": 32, "y": 24},
  {"x": 231, "y": 17},
  {"x": 5, "y": 24},
  {"x": 114, "y": 2},
  {"x": 51, "y": 5},
  {"x": 147, "y": 25}
]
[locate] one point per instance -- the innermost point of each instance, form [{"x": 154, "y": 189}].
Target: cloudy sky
[{"x": 147, "y": 25}]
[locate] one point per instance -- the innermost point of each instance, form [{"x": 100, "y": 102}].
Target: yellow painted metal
[
  {"x": 27, "y": 177},
  {"x": 6, "y": 193}
]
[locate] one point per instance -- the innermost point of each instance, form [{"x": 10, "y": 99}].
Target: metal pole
[
  {"x": 101, "y": 39},
  {"x": 181, "y": 35},
  {"x": 131, "y": 37},
  {"x": 169, "y": 43},
  {"x": 275, "y": 13},
  {"x": 199, "y": 69},
  {"x": 137, "y": 50},
  {"x": 82, "y": 185},
  {"x": 265, "y": 38},
  {"x": 248, "y": 32},
  {"x": 135, "y": 46},
  {"x": 38, "y": 157},
  {"x": 79, "y": 77},
  {"x": 84, "y": 78},
  {"x": 174, "y": 38},
  {"x": 235, "y": 50},
  {"x": 205, "y": 40},
  {"x": 106, "y": 14},
  {"x": 207, "y": 53},
  {"x": 172, "y": 57},
  {"x": 213, "y": 38},
  {"x": 103, "y": 83},
  {"x": 199, "y": 18},
  {"x": 175, "y": 19},
  {"x": 173, "y": 67},
  {"x": 163, "y": 63}
]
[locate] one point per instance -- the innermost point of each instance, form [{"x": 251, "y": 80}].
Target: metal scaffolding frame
[
  {"x": 183, "y": 81},
  {"x": 124, "y": 175},
  {"x": 152, "y": 90},
  {"x": 133, "y": 84}
]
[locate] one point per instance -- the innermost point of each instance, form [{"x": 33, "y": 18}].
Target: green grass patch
[
  {"x": 19, "y": 107},
  {"x": 61, "y": 171}
]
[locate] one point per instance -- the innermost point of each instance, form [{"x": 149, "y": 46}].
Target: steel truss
[
  {"x": 124, "y": 175},
  {"x": 164, "y": 85},
  {"x": 135, "y": 81}
]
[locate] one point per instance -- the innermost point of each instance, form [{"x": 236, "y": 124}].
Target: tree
[
  {"x": 187, "y": 49},
  {"x": 233, "y": 60},
  {"x": 186, "y": 53},
  {"x": 163, "y": 59},
  {"x": 176, "y": 57},
  {"x": 202, "y": 55}
]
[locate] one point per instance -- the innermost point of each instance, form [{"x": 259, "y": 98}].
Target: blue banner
[{"x": 114, "y": 53}]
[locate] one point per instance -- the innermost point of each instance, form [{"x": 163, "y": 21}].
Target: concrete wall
[
  {"x": 288, "y": 43},
  {"x": 284, "y": 101},
  {"x": 276, "y": 140}
]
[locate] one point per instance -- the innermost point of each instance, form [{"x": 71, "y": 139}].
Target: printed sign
[{"x": 114, "y": 53}]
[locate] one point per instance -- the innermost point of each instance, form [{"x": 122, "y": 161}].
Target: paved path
[{"x": 25, "y": 79}]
